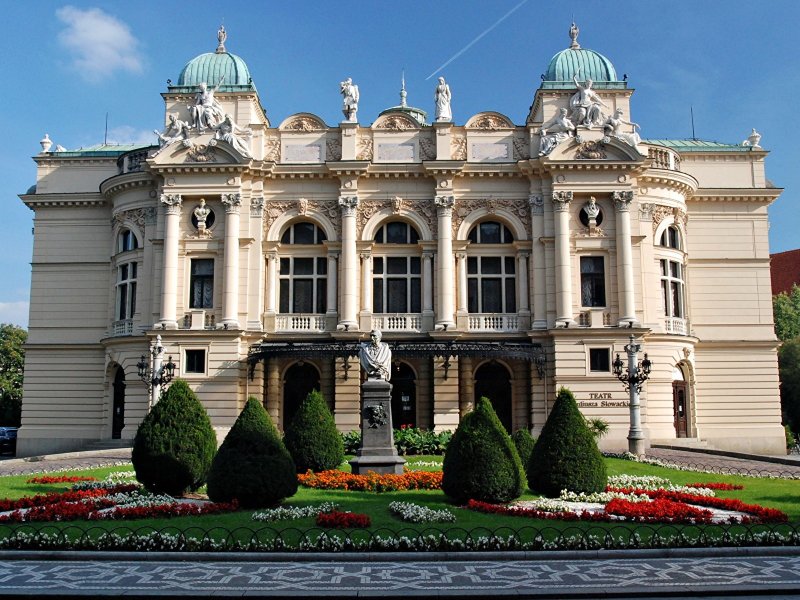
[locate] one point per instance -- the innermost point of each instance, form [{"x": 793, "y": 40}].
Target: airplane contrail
[{"x": 473, "y": 42}]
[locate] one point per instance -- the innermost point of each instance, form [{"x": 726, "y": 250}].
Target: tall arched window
[
  {"x": 126, "y": 280},
  {"x": 671, "y": 238},
  {"x": 491, "y": 269},
  {"x": 671, "y": 260},
  {"x": 303, "y": 269},
  {"x": 396, "y": 270}
]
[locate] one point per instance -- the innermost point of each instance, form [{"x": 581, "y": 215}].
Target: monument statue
[
  {"x": 201, "y": 214},
  {"x": 174, "y": 131},
  {"x": 349, "y": 92},
  {"x": 442, "y": 98},
  {"x": 230, "y": 132},
  {"x": 555, "y": 131},
  {"x": 206, "y": 111},
  {"x": 591, "y": 208},
  {"x": 376, "y": 357},
  {"x": 585, "y": 104},
  {"x": 613, "y": 128},
  {"x": 222, "y": 35}
]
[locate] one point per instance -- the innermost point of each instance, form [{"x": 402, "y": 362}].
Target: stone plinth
[{"x": 377, "y": 452}]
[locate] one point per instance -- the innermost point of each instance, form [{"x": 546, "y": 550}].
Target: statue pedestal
[{"x": 377, "y": 452}]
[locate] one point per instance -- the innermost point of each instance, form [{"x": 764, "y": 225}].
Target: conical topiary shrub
[
  {"x": 311, "y": 437},
  {"x": 481, "y": 462},
  {"x": 175, "y": 443},
  {"x": 252, "y": 464},
  {"x": 524, "y": 443},
  {"x": 566, "y": 456}
]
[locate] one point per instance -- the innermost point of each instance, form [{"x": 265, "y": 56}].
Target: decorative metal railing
[
  {"x": 493, "y": 322},
  {"x": 397, "y": 322},
  {"x": 300, "y": 323}
]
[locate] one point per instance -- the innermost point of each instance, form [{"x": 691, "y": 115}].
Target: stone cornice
[
  {"x": 197, "y": 168},
  {"x": 279, "y": 171},
  {"x": 34, "y": 201},
  {"x": 765, "y": 195},
  {"x": 395, "y": 170},
  {"x": 677, "y": 180},
  {"x": 444, "y": 167},
  {"x": 491, "y": 170},
  {"x": 117, "y": 183}
]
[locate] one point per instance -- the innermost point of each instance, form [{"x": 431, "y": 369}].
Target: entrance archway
[
  {"x": 493, "y": 380},
  {"x": 118, "y": 405},
  {"x": 680, "y": 403},
  {"x": 298, "y": 382},
  {"x": 404, "y": 396}
]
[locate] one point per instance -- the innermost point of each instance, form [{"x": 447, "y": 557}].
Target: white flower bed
[
  {"x": 415, "y": 513},
  {"x": 424, "y": 463},
  {"x": 651, "y": 482},
  {"x": 290, "y": 513},
  {"x": 603, "y": 497}
]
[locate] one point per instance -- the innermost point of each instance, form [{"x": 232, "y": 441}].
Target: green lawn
[{"x": 774, "y": 493}]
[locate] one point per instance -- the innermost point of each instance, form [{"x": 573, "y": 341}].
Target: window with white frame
[
  {"x": 201, "y": 293},
  {"x": 671, "y": 238},
  {"x": 672, "y": 288},
  {"x": 491, "y": 269},
  {"x": 600, "y": 360},
  {"x": 593, "y": 281},
  {"x": 127, "y": 241},
  {"x": 194, "y": 362},
  {"x": 127, "y": 274},
  {"x": 303, "y": 270},
  {"x": 396, "y": 269}
]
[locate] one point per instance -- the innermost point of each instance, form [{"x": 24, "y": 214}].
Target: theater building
[{"x": 497, "y": 259}]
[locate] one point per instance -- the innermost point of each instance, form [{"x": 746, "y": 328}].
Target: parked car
[{"x": 8, "y": 440}]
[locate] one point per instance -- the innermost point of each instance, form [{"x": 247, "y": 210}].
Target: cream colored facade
[{"x": 433, "y": 234}]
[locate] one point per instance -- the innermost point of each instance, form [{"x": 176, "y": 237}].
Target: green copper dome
[
  {"x": 210, "y": 67},
  {"x": 581, "y": 63}
]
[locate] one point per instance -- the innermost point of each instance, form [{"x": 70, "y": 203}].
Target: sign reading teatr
[{"x": 602, "y": 400}]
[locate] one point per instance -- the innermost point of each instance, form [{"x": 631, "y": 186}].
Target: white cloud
[
  {"x": 125, "y": 134},
  {"x": 98, "y": 43},
  {"x": 15, "y": 313}
]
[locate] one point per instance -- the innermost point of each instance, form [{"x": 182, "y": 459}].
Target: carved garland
[
  {"x": 303, "y": 124},
  {"x": 334, "y": 149},
  {"x": 365, "y": 145},
  {"x": 427, "y": 149},
  {"x": 201, "y": 153},
  {"x": 522, "y": 150},
  {"x": 141, "y": 217},
  {"x": 489, "y": 122},
  {"x": 659, "y": 213},
  {"x": 590, "y": 151},
  {"x": 395, "y": 123},
  {"x": 272, "y": 150},
  {"x": 458, "y": 147}
]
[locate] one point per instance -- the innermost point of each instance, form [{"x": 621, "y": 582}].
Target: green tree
[
  {"x": 312, "y": 438},
  {"x": 789, "y": 370},
  {"x": 786, "y": 311},
  {"x": 12, "y": 366}
]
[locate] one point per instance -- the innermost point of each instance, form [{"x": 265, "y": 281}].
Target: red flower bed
[
  {"x": 58, "y": 511},
  {"x": 60, "y": 479},
  {"x": 659, "y": 510},
  {"x": 726, "y": 487},
  {"x": 58, "y": 497},
  {"x": 532, "y": 513},
  {"x": 372, "y": 482},
  {"x": 343, "y": 520}
]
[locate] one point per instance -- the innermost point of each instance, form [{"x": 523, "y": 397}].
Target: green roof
[
  {"x": 100, "y": 150},
  {"x": 210, "y": 67},
  {"x": 693, "y": 145},
  {"x": 583, "y": 64}
]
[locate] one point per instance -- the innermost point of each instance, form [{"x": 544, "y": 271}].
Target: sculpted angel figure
[
  {"x": 613, "y": 128},
  {"x": 174, "y": 131},
  {"x": 349, "y": 92},
  {"x": 442, "y": 98},
  {"x": 230, "y": 132},
  {"x": 375, "y": 357},
  {"x": 555, "y": 131},
  {"x": 206, "y": 111},
  {"x": 585, "y": 104}
]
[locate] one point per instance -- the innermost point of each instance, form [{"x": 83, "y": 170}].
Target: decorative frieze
[
  {"x": 458, "y": 146},
  {"x": 304, "y": 124},
  {"x": 427, "y": 148},
  {"x": 141, "y": 217},
  {"x": 201, "y": 153},
  {"x": 522, "y": 148},
  {"x": 272, "y": 150},
  {"x": 365, "y": 149},
  {"x": 333, "y": 149},
  {"x": 590, "y": 151},
  {"x": 517, "y": 207}
]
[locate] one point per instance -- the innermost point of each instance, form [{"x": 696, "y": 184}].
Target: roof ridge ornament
[
  {"x": 222, "y": 35},
  {"x": 573, "y": 35},
  {"x": 403, "y": 94}
]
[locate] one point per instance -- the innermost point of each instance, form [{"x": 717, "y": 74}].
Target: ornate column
[
  {"x": 461, "y": 261},
  {"x": 564, "y": 317},
  {"x": 627, "y": 302},
  {"x": 230, "y": 281},
  {"x": 169, "y": 271},
  {"x": 348, "y": 315},
  {"x": 539, "y": 265},
  {"x": 272, "y": 281},
  {"x": 444, "y": 263},
  {"x": 427, "y": 282},
  {"x": 332, "y": 283},
  {"x": 522, "y": 281},
  {"x": 366, "y": 290},
  {"x": 255, "y": 266}
]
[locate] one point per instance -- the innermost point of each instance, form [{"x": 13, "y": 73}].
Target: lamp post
[
  {"x": 154, "y": 373},
  {"x": 634, "y": 376}
]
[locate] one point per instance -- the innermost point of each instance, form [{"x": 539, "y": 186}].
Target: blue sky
[{"x": 68, "y": 64}]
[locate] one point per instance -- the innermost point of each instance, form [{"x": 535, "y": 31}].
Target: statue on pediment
[
  {"x": 349, "y": 92},
  {"x": 230, "y": 132},
  {"x": 585, "y": 104},
  {"x": 613, "y": 128},
  {"x": 206, "y": 110},
  {"x": 176, "y": 130},
  {"x": 555, "y": 131},
  {"x": 442, "y": 98}
]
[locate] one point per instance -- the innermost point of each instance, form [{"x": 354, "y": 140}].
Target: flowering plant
[
  {"x": 342, "y": 520},
  {"x": 59, "y": 479},
  {"x": 290, "y": 513},
  {"x": 416, "y": 513},
  {"x": 372, "y": 482},
  {"x": 660, "y": 510}
]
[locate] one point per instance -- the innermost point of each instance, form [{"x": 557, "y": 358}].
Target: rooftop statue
[
  {"x": 555, "y": 131},
  {"x": 176, "y": 130},
  {"x": 585, "y": 104},
  {"x": 222, "y": 35},
  {"x": 442, "y": 98},
  {"x": 613, "y": 128},
  {"x": 206, "y": 111},
  {"x": 349, "y": 92},
  {"x": 230, "y": 132},
  {"x": 375, "y": 357}
]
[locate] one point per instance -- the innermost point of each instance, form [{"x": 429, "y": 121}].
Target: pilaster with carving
[
  {"x": 172, "y": 203},
  {"x": 232, "y": 202},
  {"x": 622, "y": 200},
  {"x": 561, "y": 201},
  {"x": 536, "y": 203},
  {"x": 538, "y": 263},
  {"x": 257, "y": 207}
]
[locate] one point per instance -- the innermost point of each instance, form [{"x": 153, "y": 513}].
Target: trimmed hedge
[
  {"x": 252, "y": 465},
  {"x": 312, "y": 438},
  {"x": 175, "y": 443},
  {"x": 481, "y": 462},
  {"x": 566, "y": 456},
  {"x": 524, "y": 443}
]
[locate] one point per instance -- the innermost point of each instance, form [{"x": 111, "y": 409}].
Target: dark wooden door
[
  {"x": 404, "y": 396},
  {"x": 118, "y": 406},
  {"x": 680, "y": 409}
]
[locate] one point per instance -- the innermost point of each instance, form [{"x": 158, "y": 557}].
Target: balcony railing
[
  {"x": 397, "y": 322},
  {"x": 676, "y": 326},
  {"x": 662, "y": 158},
  {"x": 493, "y": 322},
  {"x": 123, "y": 327},
  {"x": 300, "y": 323}
]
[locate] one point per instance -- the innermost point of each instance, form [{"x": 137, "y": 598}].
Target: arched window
[
  {"x": 671, "y": 238},
  {"x": 670, "y": 256},
  {"x": 126, "y": 241},
  {"x": 672, "y": 288},
  {"x": 396, "y": 270},
  {"x": 491, "y": 269},
  {"x": 126, "y": 279},
  {"x": 303, "y": 270}
]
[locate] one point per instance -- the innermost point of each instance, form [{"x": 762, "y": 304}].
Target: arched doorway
[
  {"x": 680, "y": 403},
  {"x": 404, "y": 395},
  {"x": 118, "y": 405},
  {"x": 298, "y": 382},
  {"x": 494, "y": 381}
]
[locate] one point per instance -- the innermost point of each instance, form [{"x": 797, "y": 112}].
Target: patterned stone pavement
[{"x": 691, "y": 576}]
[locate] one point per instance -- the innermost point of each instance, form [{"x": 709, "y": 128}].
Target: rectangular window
[
  {"x": 284, "y": 296},
  {"x": 195, "y": 361},
  {"x": 322, "y": 295},
  {"x": 600, "y": 360},
  {"x": 492, "y": 296},
  {"x": 303, "y": 295},
  {"x": 511, "y": 295},
  {"x": 416, "y": 295},
  {"x": 593, "y": 281},
  {"x": 377, "y": 295},
  {"x": 472, "y": 295},
  {"x": 202, "y": 283},
  {"x": 397, "y": 299}
]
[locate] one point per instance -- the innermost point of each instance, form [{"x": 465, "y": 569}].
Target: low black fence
[{"x": 428, "y": 539}]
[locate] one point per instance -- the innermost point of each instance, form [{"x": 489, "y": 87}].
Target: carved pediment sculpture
[
  {"x": 591, "y": 150},
  {"x": 303, "y": 124},
  {"x": 489, "y": 121},
  {"x": 395, "y": 122}
]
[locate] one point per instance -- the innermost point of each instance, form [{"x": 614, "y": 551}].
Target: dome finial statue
[
  {"x": 573, "y": 35},
  {"x": 222, "y": 35},
  {"x": 403, "y": 94}
]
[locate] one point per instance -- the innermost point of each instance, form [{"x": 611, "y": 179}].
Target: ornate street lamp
[
  {"x": 154, "y": 373},
  {"x": 633, "y": 378}
]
